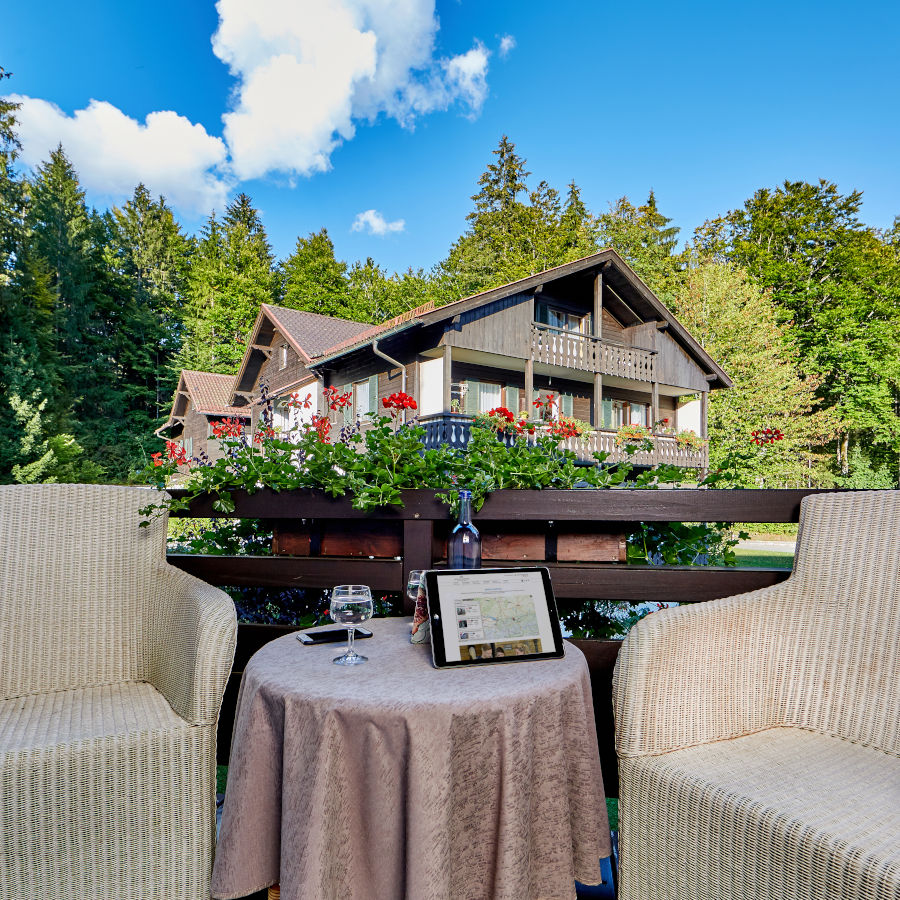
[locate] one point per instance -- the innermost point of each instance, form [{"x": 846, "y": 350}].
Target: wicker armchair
[
  {"x": 113, "y": 669},
  {"x": 759, "y": 735}
]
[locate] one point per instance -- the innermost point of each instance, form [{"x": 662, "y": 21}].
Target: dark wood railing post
[{"x": 418, "y": 543}]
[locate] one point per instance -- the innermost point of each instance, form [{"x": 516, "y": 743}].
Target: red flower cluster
[
  {"x": 767, "y": 436},
  {"x": 564, "y": 428},
  {"x": 176, "y": 452},
  {"x": 296, "y": 403},
  {"x": 337, "y": 400},
  {"x": 547, "y": 403},
  {"x": 157, "y": 459},
  {"x": 227, "y": 428},
  {"x": 322, "y": 426},
  {"x": 399, "y": 401},
  {"x": 504, "y": 420},
  {"x": 263, "y": 433}
]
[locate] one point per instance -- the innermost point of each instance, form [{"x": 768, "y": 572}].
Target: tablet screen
[{"x": 492, "y": 615}]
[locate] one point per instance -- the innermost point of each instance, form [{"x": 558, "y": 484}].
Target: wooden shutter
[
  {"x": 373, "y": 394},
  {"x": 473, "y": 398},
  {"x": 511, "y": 398},
  {"x": 566, "y": 404},
  {"x": 607, "y": 406}
]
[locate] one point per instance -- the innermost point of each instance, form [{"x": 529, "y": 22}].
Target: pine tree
[
  {"x": 315, "y": 280},
  {"x": 230, "y": 276},
  {"x": 644, "y": 238}
]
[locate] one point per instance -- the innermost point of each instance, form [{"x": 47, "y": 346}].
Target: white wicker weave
[
  {"x": 759, "y": 735},
  {"x": 112, "y": 674}
]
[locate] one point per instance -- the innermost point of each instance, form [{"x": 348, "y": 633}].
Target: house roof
[
  {"x": 310, "y": 335},
  {"x": 648, "y": 306},
  {"x": 209, "y": 392}
]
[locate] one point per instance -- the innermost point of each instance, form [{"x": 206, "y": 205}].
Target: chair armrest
[
  {"x": 700, "y": 673},
  {"x": 191, "y": 643}
]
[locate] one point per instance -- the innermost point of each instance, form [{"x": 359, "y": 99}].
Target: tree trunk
[{"x": 844, "y": 454}]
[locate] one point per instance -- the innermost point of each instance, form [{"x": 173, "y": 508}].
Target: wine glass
[
  {"x": 351, "y": 605},
  {"x": 416, "y": 578}
]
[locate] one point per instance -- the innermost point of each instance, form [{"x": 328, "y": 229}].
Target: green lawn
[{"x": 764, "y": 559}]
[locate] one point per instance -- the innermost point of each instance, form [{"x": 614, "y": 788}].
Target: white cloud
[
  {"x": 308, "y": 71},
  {"x": 507, "y": 43},
  {"x": 112, "y": 152},
  {"x": 375, "y": 223}
]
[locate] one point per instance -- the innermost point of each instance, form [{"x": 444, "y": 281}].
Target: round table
[{"x": 398, "y": 780}]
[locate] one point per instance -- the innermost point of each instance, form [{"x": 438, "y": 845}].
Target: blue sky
[{"x": 337, "y": 108}]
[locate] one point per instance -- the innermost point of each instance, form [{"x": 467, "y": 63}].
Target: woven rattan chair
[
  {"x": 112, "y": 668},
  {"x": 759, "y": 735}
]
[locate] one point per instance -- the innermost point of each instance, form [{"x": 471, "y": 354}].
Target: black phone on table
[{"x": 331, "y": 635}]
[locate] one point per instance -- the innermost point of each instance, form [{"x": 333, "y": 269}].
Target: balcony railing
[
  {"x": 454, "y": 429},
  {"x": 570, "y": 350},
  {"x": 422, "y": 525}
]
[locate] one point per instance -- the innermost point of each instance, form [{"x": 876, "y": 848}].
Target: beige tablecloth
[{"x": 396, "y": 780}]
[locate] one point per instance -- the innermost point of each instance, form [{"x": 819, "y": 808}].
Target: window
[
  {"x": 473, "y": 397},
  {"x": 283, "y": 356},
  {"x": 564, "y": 405},
  {"x": 564, "y": 319},
  {"x": 365, "y": 397},
  {"x": 617, "y": 413}
]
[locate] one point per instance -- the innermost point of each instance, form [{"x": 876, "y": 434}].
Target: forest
[{"x": 794, "y": 295}]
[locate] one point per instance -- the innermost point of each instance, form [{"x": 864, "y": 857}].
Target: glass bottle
[{"x": 464, "y": 544}]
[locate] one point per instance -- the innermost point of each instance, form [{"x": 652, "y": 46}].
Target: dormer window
[{"x": 562, "y": 318}]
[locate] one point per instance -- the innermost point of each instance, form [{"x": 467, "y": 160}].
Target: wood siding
[
  {"x": 672, "y": 365},
  {"x": 502, "y": 327}
]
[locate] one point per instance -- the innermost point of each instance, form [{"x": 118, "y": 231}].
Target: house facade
[
  {"x": 201, "y": 399},
  {"x": 589, "y": 333}
]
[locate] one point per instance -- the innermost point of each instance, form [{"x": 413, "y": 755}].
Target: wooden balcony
[
  {"x": 570, "y": 350},
  {"x": 453, "y": 429}
]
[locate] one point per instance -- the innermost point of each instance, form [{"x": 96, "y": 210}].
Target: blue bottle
[{"x": 464, "y": 545}]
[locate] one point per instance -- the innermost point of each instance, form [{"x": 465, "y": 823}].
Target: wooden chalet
[
  {"x": 590, "y": 332},
  {"x": 279, "y": 353},
  {"x": 201, "y": 399}
]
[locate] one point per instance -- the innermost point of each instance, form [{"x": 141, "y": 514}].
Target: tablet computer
[{"x": 491, "y": 616}]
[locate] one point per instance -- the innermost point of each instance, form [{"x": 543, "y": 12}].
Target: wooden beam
[
  {"x": 598, "y": 400},
  {"x": 654, "y": 404},
  {"x": 598, "y": 305},
  {"x": 662, "y": 326},
  {"x": 681, "y": 505},
  {"x": 448, "y": 378},
  {"x": 266, "y": 349},
  {"x": 703, "y": 413},
  {"x": 529, "y": 385}
]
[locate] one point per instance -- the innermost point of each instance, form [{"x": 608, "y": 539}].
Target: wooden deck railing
[
  {"x": 423, "y": 521},
  {"x": 454, "y": 430},
  {"x": 558, "y": 347}
]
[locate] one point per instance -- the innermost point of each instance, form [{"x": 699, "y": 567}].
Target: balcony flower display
[
  {"x": 689, "y": 440},
  {"x": 634, "y": 435}
]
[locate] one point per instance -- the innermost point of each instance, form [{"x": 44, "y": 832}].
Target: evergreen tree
[
  {"x": 148, "y": 250},
  {"x": 315, "y": 280},
  {"x": 646, "y": 240},
  {"x": 230, "y": 276},
  {"x": 578, "y": 228}
]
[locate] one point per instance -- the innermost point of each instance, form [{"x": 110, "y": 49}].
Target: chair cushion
[
  {"x": 785, "y": 812},
  {"x": 45, "y": 721}
]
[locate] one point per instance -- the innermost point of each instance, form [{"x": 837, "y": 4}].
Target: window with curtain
[
  {"x": 565, "y": 319},
  {"x": 617, "y": 413}
]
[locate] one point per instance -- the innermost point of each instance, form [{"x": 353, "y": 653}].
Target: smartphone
[{"x": 331, "y": 635}]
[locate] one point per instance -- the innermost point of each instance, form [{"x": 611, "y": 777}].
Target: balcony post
[
  {"x": 598, "y": 333},
  {"x": 529, "y": 385},
  {"x": 703, "y": 396},
  {"x": 448, "y": 379},
  {"x": 654, "y": 404}
]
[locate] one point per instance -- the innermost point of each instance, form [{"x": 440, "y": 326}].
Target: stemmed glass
[
  {"x": 351, "y": 605},
  {"x": 414, "y": 584}
]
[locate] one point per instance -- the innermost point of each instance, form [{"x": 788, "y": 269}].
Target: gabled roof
[
  {"x": 310, "y": 334},
  {"x": 209, "y": 392},
  {"x": 643, "y": 303}
]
